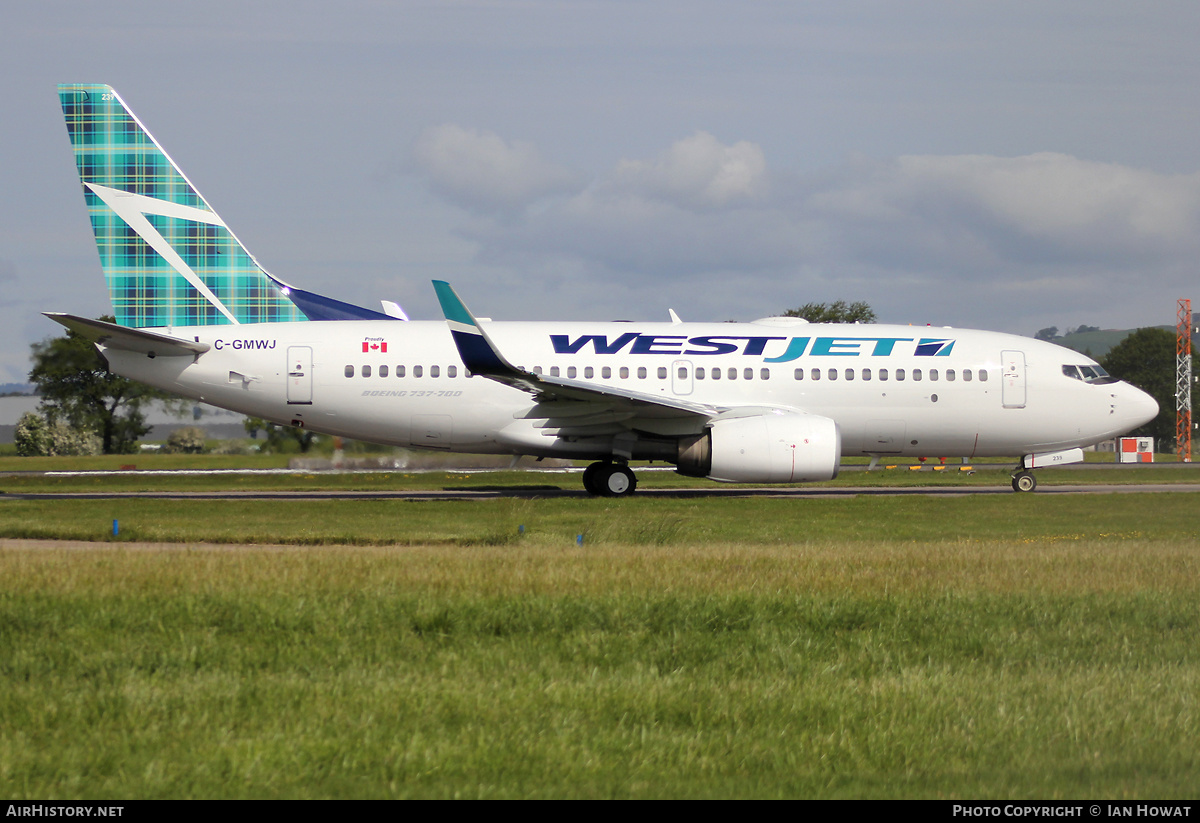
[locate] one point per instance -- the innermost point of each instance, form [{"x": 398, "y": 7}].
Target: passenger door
[
  {"x": 299, "y": 383},
  {"x": 1012, "y": 389}
]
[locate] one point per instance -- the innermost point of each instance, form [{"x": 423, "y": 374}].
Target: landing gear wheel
[
  {"x": 590, "y": 476},
  {"x": 1024, "y": 481},
  {"x": 617, "y": 481},
  {"x": 609, "y": 480}
]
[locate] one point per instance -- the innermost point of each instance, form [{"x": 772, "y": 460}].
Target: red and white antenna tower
[{"x": 1183, "y": 381}]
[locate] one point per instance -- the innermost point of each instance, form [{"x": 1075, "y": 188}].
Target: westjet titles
[{"x": 752, "y": 346}]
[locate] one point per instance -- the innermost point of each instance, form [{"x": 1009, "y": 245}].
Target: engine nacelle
[{"x": 777, "y": 447}]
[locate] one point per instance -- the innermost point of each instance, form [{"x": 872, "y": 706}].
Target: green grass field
[{"x": 988, "y": 646}]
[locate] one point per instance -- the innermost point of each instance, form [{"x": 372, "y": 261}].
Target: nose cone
[{"x": 1135, "y": 407}]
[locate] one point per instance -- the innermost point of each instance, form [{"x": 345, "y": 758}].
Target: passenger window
[
  {"x": 433, "y": 371},
  {"x": 349, "y": 371},
  {"x": 606, "y": 372},
  {"x": 764, "y": 374},
  {"x": 833, "y": 374},
  {"x": 452, "y": 371},
  {"x": 399, "y": 371},
  {"x": 554, "y": 371},
  {"x": 682, "y": 372},
  {"x": 699, "y": 373},
  {"x": 949, "y": 375},
  {"x": 641, "y": 372},
  {"x": 866, "y": 374},
  {"x": 417, "y": 371},
  {"x": 983, "y": 375},
  {"x": 716, "y": 374},
  {"x": 799, "y": 374},
  {"x": 917, "y": 375},
  {"x": 733, "y": 373},
  {"x": 816, "y": 374},
  {"x": 933, "y": 374},
  {"x": 588, "y": 372},
  {"x": 570, "y": 371},
  {"x": 536, "y": 370},
  {"x": 967, "y": 375},
  {"x": 662, "y": 373},
  {"x": 849, "y": 374},
  {"x": 899, "y": 374},
  {"x": 747, "y": 374},
  {"x": 624, "y": 372},
  {"x": 883, "y": 375},
  {"x": 383, "y": 371},
  {"x": 366, "y": 371}
]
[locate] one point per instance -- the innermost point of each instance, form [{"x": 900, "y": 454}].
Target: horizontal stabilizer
[{"x": 112, "y": 336}]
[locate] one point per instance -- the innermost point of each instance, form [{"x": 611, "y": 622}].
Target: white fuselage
[{"x": 892, "y": 390}]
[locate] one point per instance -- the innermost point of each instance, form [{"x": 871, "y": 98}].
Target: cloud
[
  {"x": 698, "y": 172},
  {"x": 1041, "y": 207},
  {"x": 979, "y": 234},
  {"x": 482, "y": 171}
]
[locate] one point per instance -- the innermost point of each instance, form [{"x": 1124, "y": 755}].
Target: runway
[{"x": 536, "y": 492}]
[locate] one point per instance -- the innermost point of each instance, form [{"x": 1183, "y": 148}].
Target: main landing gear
[
  {"x": 609, "y": 480},
  {"x": 1024, "y": 481}
]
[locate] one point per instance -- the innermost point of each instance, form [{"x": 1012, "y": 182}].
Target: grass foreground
[{"x": 976, "y": 647}]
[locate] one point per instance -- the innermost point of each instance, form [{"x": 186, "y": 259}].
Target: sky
[{"x": 1001, "y": 165}]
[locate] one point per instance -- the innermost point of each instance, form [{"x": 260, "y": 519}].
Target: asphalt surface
[{"x": 529, "y": 492}]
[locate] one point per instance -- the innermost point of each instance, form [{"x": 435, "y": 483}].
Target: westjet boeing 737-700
[{"x": 777, "y": 400}]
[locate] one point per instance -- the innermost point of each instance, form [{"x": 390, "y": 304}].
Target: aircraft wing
[
  {"x": 480, "y": 355},
  {"x": 112, "y": 336}
]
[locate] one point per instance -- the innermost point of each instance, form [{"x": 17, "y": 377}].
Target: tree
[
  {"x": 187, "y": 440},
  {"x": 1146, "y": 359},
  {"x": 35, "y": 437},
  {"x": 836, "y": 312},
  {"x": 280, "y": 438},
  {"x": 1048, "y": 334},
  {"x": 78, "y": 389}
]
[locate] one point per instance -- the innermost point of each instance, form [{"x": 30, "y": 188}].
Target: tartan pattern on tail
[{"x": 162, "y": 262}]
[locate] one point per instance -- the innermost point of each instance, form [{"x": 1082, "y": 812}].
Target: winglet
[
  {"x": 480, "y": 355},
  {"x": 477, "y": 351},
  {"x": 393, "y": 309}
]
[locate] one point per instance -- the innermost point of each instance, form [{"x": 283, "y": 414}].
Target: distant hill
[
  {"x": 7, "y": 389},
  {"x": 1097, "y": 343}
]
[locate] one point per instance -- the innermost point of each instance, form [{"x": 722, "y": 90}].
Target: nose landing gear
[
  {"x": 609, "y": 480},
  {"x": 1024, "y": 481}
]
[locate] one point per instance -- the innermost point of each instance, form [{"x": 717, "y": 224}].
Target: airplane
[{"x": 776, "y": 400}]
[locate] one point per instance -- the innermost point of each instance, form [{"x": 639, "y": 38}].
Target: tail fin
[{"x": 169, "y": 259}]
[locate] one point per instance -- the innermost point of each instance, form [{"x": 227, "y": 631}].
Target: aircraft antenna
[{"x": 1183, "y": 381}]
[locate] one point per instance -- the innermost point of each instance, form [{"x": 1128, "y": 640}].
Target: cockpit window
[{"x": 1088, "y": 374}]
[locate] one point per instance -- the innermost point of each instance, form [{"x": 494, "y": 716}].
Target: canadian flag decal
[{"x": 375, "y": 344}]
